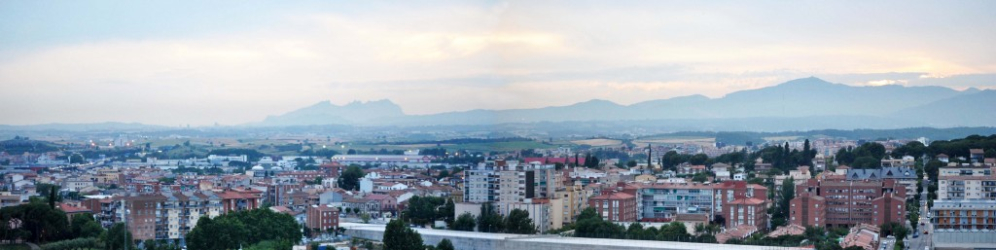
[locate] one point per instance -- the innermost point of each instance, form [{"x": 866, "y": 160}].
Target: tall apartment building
[
  {"x": 179, "y": 212},
  {"x": 481, "y": 183},
  {"x": 510, "y": 185},
  {"x": 964, "y": 214},
  {"x": 575, "y": 199},
  {"x": 167, "y": 215},
  {"x": 518, "y": 182},
  {"x": 849, "y": 203}
]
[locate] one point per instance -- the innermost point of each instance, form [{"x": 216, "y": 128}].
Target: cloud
[{"x": 442, "y": 57}]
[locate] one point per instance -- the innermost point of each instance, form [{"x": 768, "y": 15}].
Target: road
[{"x": 924, "y": 239}]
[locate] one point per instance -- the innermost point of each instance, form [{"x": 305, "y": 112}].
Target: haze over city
[{"x": 202, "y": 63}]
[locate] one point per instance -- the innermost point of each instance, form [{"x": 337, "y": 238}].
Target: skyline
[{"x": 203, "y": 63}]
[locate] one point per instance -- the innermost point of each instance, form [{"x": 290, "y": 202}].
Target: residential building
[
  {"x": 904, "y": 176},
  {"x": 747, "y": 211},
  {"x": 964, "y": 214},
  {"x": 808, "y": 210},
  {"x": 321, "y": 218},
  {"x": 662, "y": 202},
  {"x": 862, "y": 235},
  {"x": 849, "y": 203},
  {"x": 481, "y": 183},
  {"x": 615, "y": 206}
]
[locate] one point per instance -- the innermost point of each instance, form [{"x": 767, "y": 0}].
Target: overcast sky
[{"x": 234, "y": 62}]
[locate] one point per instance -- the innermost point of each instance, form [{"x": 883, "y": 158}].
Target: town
[{"x": 795, "y": 193}]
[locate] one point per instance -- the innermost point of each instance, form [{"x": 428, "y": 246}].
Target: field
[{"x": 598, "y": 142}]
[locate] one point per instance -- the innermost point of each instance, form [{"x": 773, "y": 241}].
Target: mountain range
[{"x": 810, "y": 103}]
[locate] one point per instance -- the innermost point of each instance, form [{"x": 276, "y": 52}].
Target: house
[
  {"x": 615, "y": 206},
  {"x": 790, "y": 229},
  {"x": 862, "y": 235},
  {"x": 943, "y": 158},
  {"x": 976, "y": 155}
]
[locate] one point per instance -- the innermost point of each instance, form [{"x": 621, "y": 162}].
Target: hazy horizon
[{"x": 204, "y": 63}]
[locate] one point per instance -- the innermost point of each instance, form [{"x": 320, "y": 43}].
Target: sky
[{"x": 234, "y": 62}]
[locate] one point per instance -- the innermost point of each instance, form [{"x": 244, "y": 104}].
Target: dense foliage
[
  {"x": 350, "y": 178},
  {"x": 397, "y": 236},
  {"x": 243, "y": 228},
  {"x": 590, "y": 225},
  {"x": 423, "y": 210},
  {"x": 490, "y": 221},
  {"x": 464, "y": 222},
  {"x": 518, "y": 222},
  {"x": 40, "y": 222}
]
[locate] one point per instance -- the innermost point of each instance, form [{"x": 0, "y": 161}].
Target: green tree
[
  {"x": 365, "y": 217},
  {"x": 218, "y": 233},
  {"x": 490, "y": 221},
  {"x": 397, "y": 236},
  {"x": 444, "y": 244},
  {"x": 40, "y": 222},
  {"x": 518, "y": 222},
  {"x": 698, "y": 159},
  {"x": 781, "y": 212},
  {"x": 350, "y": 178},
  {"x": 422, "y": 210},
  {"x": 76, "y": 158},
  {"x": 865, "y": 162},
  {"x": 700, "y": 177},
  {"x": 448, "y": 212},
  {"x": 116, "y": 238},
  {"x": 464, "y": 222},
  {"x": 272, "y": 245},
  {"x": 83, "y": 226}
]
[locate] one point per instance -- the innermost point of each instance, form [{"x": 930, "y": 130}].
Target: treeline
[
  {"x": 40, "y": 222},
  {"x": 591, "y": 225},
  {"x": 959, "y": 147},
  {"x": 868, "y": 155},
  {"x": 757, "y": 138},
  {"x": 490, "y": 221},
  {"x": 20, "y": 145},
  {"x": 245, "y": 228},
  {"x": 423, "y": 210}
]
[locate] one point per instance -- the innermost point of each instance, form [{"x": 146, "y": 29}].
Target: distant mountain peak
[
  {"x": 809, "y": 81},
  {"x": 596, "y": 101},
  {"x": 805, "y": 97}
]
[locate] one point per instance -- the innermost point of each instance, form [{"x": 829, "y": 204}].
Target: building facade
[
  {"x": 321, "y": 218},
  {"x": 849, "y": 203}
]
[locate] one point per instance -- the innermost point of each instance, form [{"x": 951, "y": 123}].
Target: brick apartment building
[
  {"x": 615, "y": 206},
  {"x": 808, "y": 209},
  {"x": 321, "y": 218},
  {"x": 848, "y": 203}
]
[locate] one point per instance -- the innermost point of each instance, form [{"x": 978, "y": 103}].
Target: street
[{"x": 924, "y": 239}]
